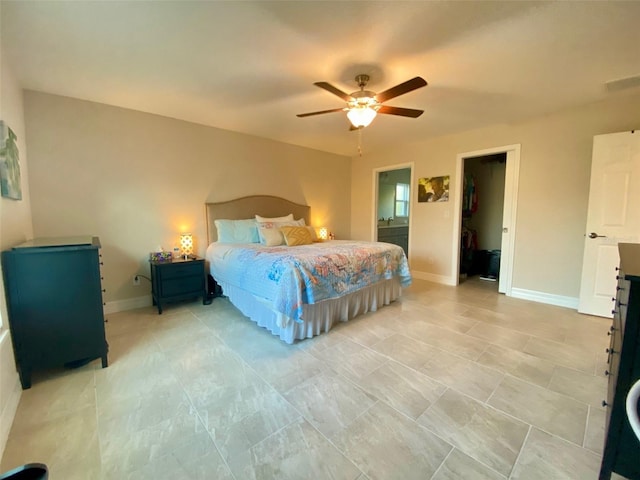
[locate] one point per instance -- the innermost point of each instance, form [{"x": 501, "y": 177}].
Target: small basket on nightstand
[{"x": 160, "y": 257}]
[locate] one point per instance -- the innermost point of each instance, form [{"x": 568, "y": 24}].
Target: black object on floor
[{"x": 30, "y": 471}]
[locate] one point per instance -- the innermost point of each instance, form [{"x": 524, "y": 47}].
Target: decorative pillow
[
  {"x": 296, "y": 235},
  {"x": 237, "y": 231},
  {"x": 270, "y": 237},
  {"x": 314, "y": 235},
  {"x": 288, "y": 218}
]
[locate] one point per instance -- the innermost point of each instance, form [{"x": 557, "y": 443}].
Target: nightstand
[{"x": 177, "y": 280}]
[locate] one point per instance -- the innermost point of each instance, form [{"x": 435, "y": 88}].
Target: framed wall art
[
  {"x": 433, "y": 189},
  {"x": 9, "y": 164}
]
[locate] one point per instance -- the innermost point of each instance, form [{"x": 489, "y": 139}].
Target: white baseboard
[
  {"x": 128, "y": 304},
  {"x": 542, "y": 297},
  {"x": 432, "y": 277}
]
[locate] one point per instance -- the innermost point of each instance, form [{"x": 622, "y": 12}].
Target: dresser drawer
[
  {"x": 181, "y": 270},
  {"x": 182, "y": 285}
]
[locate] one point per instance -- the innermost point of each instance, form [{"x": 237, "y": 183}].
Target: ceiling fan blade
[
  {"x": 336, "y": 91},
  {"x": 403, "y": 112},
  {"x": 406, "y": 87},
  {"x": 319, "y": 113}
]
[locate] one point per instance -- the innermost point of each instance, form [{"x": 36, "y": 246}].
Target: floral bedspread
[{"x": 293, "y": 276}]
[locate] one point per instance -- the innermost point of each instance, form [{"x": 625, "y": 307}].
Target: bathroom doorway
[{"x": 393, "y": 205}]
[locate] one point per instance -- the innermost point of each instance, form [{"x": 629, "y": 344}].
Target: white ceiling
[{"x": 250, "y": 66}]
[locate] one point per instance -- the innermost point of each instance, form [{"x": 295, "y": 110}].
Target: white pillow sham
[
  {"x": 270, "y": 237},
  {"x": 237, "y": 231},
  {"x": 287, "y": 218}
]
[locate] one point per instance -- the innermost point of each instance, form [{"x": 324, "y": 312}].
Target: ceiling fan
[{"x": 363, "y": 105}]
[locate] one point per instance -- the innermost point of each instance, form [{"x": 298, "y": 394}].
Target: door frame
[
  {"x": 374, "y": 220},
  {"x": 512, "y": 175}
]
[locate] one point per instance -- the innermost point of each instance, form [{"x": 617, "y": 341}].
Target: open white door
[
  {"x": 613, "y": 216},
  {"x": 508, "y": 220}
]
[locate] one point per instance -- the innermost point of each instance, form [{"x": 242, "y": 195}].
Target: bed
[{"x": 299, "y": 291}]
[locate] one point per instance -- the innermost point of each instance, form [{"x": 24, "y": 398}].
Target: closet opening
[
  {"x": 482, "y": 217},
  {"x": 490, "y": 209}
]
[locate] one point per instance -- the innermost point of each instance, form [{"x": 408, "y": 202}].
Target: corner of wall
[{"x": 10, "y": 389}]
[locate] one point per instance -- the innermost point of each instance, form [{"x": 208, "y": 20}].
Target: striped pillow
[{"x": 296, "y": 236}]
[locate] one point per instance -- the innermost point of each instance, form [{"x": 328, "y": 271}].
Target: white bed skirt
[{"x": 319, "y": 317}]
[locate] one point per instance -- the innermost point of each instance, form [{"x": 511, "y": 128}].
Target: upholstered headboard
[{"x": 249, "y": 207}]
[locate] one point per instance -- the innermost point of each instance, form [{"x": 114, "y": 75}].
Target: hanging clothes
[{"x": 469, "y": 195}]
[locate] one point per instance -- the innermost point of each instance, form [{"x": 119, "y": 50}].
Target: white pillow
[
  {"x": 237, "y": 231},
  {"x": 288, "y": 218},
  {"x": 270, "y": 237}
]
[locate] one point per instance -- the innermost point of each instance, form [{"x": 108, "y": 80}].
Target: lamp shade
[
  {"x": 323, "y": 234},
  {"x": 186, "y": 243},
  {"x": 361, "y": 116}
]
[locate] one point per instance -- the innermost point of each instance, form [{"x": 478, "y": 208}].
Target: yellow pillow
[{"x": 296, "y": 236}]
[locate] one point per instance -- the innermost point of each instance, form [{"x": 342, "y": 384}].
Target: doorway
[
  {"x": 482, "y": 209},
  {"x": 498, "y": 169},
  {"x": 393, "y": 205}
]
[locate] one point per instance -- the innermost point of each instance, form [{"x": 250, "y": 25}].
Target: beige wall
[
  {"x": 552, "y": 199},
  {"x": 15, "y": 227},
  {"x": 136, "y": 180}
]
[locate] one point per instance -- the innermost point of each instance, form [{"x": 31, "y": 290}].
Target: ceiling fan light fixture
[{"x": 361, "y": 116}]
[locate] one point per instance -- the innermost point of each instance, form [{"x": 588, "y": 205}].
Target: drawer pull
[
  {"x": 604, "y": 403},
  {"x": 104, "y": 290},
  {"x": 619, "y": 288},
  {"x": 613, "y": 312},
  {"x": 607, "y": 372},
  {"x": 610, "y": 351}
]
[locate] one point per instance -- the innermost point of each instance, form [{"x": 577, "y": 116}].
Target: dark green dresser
[
  {"x": 622, "y": 448},
  {"x": 54, "y": 300}
]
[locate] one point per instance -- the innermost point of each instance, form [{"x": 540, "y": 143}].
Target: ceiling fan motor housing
[{"x": 363, "y": 98}]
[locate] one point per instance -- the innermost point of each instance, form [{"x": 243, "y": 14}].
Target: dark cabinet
[
  {"x": 54, "y": 300},
  {"x": 178, "y": 280},
  {"x": 396, "y": 235},
  {"x": 622, "y": 448}
]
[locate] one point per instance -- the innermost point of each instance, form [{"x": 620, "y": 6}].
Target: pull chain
[{"x": 360, "y": 141}]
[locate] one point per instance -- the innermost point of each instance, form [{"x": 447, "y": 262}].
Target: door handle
[{"x": 595, "y": 235}]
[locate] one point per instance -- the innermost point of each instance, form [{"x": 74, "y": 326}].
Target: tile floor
[{"x": 446, "y": 383}]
